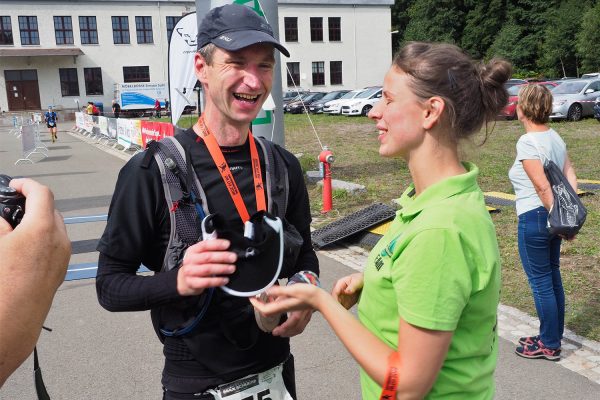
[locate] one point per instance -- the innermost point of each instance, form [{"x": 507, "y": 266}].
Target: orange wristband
[{"x": 392, "y": 377}]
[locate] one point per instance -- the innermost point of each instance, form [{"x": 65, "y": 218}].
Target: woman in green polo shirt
[{"x": 430, "y": 291}]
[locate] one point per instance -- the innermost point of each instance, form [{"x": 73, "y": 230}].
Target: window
[
  {"x": 291, "y": 29},
  {"x": 335, "y": 72},
  {"x": 89, "y": 30},
  {"x": 316, "y": 29},
  {"x": 335, "y": 29},
  {"x": 120, "y": 27},
  {"x": 93, "y": 80},
  {"x": 143, "y": 29},
  {"x": 69, "y": 86},
  {"x": 6, "y": 36},
  {"x": 29, "y": 30},
  {"x": 318, "y": 73},
  {"x": 171, "y": 22},
  {"x": 293, "y": 75},
  {"x": 136, "y": 74},
  {"x": 63, "y": 30}
]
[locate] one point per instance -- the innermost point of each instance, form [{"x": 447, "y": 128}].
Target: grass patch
[{"x": 355, "y": 146}]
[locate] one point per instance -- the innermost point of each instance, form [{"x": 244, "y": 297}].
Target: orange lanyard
[
  {"x": 223, "y": 167},
  {"x": 392, "y": 378}
]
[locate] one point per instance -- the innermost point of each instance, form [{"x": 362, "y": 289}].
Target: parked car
[
  {"x": 290, "y": 94},
  {"x": 513, "y": 82},
  {"x": 317, "y": 106},
  {"x": 597, "y": 109},
  {"x": 574, "y": 99},
  {"x": 510, "y": 111},
  {"x": 591, "y": 75},
  {"x": 335, "y": 106},
  {"x": 297, "y": 107},
  {"x": 298, "y": 97},
  {"x": 363, "y": 102}
]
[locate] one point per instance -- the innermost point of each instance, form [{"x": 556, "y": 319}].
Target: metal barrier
[
  {"x": 87, "y": 270},
  {"x": 31, "y": 143}
]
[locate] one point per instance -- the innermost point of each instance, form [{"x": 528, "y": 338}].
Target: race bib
[
  {"x": 51, "y": 123},
  {"x": 266, "y": 385}
]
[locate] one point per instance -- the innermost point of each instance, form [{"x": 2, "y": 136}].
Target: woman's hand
[
  {"x": 300, "y": 296},
  {"x": 347, "y": 290}
]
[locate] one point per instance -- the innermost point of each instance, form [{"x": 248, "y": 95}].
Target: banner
[
  {"x": 155, "y": 131},
  {"x": 123, "y": 135},
  {"x": 112, "y": 128},
  {"x": 88, "y": 123},
  {"x": 136, "y": 132},
  {"x": 95, "y": 128},
  {"x": 103, "y": 126},
  {"x": 79, "y": 121},
  {"x": 27, "y": 139},
  {"x": 182, "y": 78}
]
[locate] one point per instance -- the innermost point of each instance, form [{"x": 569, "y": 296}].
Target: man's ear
[
  {"x": 433, "y": 109},
  {"x": 200, "y": 67}
]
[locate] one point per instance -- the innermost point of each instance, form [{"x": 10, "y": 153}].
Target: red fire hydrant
[{"x": 326, "y": 159}]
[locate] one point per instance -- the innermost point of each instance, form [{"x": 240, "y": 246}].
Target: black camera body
[{"x": 12, "y": 203}]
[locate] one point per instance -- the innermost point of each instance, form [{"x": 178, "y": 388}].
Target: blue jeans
[{"x": 540, "y": 255}]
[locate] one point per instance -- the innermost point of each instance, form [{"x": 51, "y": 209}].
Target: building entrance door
[{"x": 22, "y": 90}]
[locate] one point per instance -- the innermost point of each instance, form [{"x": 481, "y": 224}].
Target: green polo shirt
[{"x": 438, "y": 267}]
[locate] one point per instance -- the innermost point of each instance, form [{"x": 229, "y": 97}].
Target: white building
[{"x": 66, "y": 53}]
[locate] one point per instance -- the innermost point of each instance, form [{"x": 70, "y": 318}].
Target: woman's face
[{"x": 399, "y": 116}]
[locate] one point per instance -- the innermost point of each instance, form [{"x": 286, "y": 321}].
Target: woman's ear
[{"x": 433, "y": 110}]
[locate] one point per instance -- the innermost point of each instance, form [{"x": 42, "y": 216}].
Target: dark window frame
[
  {"x": 6, "y": 35},
  {"x": 93, "y": 81},
  {"x": 293, "y": 76},
  {"x": 335, "y": 73},
  {"x": 171, "y": 22},
  {"x": 318, "y": 73},
  {"x": 120, "y": 28},
  {"x": 88, "y": 29},
  {"x": 138, "y": 73},
  {"x": 291, "y": 29},
  {"x": 334, "y": 26},
  {"x": 63, "y": 30},
  {"x": 316, "y": 29},
  {"x": 69, "y": 82},
  {"x": 143, "y": 29},
  {"x": 28, "y": 29}
]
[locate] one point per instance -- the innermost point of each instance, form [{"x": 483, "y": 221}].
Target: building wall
[
  {"x": 364, "y": 49},
  {"x": 109, "y": 57}
]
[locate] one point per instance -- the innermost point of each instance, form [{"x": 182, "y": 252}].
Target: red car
[{"x": 510, "y": 111}]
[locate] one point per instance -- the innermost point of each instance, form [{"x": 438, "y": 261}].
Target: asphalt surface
[{"x": 94, "y": 354}]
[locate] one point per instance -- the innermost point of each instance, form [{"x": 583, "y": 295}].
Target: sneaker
[
  {"x": 538, "y": 350},
  {"x": 529, "y": 340}
]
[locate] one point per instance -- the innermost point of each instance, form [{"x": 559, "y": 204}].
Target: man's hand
[
  {"x": 347, "y": 290},
  {"x": 203, "y": 266},
  {"x": 295, "y": 324}
]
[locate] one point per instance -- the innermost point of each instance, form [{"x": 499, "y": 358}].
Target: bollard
[{"x": 326, "y": 159}]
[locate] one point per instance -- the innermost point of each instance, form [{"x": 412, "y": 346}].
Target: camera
[{"x": 12, "y": 203}]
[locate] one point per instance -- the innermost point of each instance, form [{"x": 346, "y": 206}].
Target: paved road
[{"x": 93, "y": 354}]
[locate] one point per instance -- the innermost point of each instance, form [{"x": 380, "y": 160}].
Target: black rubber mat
[
  {"x": 352, "y": 224},
  {"x": 588, "y": 186},
  {"x": 497, "y": 201}
]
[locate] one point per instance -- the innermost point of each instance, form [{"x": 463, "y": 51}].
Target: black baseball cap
[{"x": 233, "y": 27}]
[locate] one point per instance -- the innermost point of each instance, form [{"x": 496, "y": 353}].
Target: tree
[
  {"x": 559, "y": 53},
  {"x": 509, "y": 44},
  {"x": 439, "y": 21},
  {"x": 399, "y": 21},
  {"x": 483, "y": 21},
  {"x": 588, "y": 40}
]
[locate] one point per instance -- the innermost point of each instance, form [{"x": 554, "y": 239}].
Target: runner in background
[{"x": 50, "y": 117}]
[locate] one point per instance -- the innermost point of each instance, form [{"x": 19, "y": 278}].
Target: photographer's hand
[{"x": 35, "y": 256}]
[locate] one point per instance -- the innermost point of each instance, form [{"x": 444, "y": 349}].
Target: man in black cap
[{"x": 227, "y": 355}]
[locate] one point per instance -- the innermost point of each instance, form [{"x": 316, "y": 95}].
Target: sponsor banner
[
  {"x": 79, "y": 120},
  {"x": 182, "y": 78},
  {"x": 155, "y": 131},
  {"x": 136, "y": 132},
  {"x": 88, "y": 123},
  {"x": 123, "y": 135},
  {"x": 112, "y": 128},
  {"x": 95, "y": 128},
  {"x": 103, "y": 126},
  {"x": 142, "y": 95}
]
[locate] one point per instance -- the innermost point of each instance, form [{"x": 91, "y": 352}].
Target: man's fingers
[
  {"x": 206, "y": 282},
  {"x": 207, "y": 270},
  {"x": 4, "y": 227},
  {"x": 39, "y": 200}
]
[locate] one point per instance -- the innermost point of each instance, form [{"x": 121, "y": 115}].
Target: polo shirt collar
[{"x": 437, "y": 192}]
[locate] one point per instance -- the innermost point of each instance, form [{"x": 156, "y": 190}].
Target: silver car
[{"x": 574, "y": 99}]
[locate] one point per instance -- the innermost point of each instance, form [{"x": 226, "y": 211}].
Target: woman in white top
[{"x": 538, "y": 249}]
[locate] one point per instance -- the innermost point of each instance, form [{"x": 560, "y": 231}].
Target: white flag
[{"x": 182, "y": 78}]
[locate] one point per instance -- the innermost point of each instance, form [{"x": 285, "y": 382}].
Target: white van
[{"x": 362, "y": 104}]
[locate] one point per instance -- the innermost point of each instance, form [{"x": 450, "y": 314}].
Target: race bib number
[
  {"x": 51, "y": 123},
  {"x": 266, "y": 385}
]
